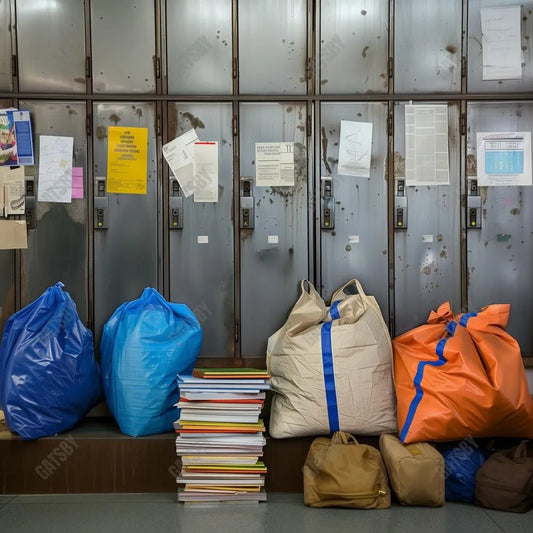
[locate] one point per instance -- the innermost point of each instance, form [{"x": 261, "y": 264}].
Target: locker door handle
[
  {"x": 327, "y": 208},
  {"x": 400, "y": 205},
  {"x": 101, "y": 205},
  {"x": 29, "y": 209},
  {"x": 473, "y": 204},
  {"x": 175, "y": 206},
  {"x": 247, "y": 208}
]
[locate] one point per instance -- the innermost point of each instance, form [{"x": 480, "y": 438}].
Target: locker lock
[
  {"x": 175, "y": 205},
  {"x": 101, "y": 205},
  {"x": 327, "y": 208},
  {"x": 400, "y": 205},
  {"x": 473, "y": 219},
  {"x": 247, "y": 211},
  {"x": 29, "y": 209}
]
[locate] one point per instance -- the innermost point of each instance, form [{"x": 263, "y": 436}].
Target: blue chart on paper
[{"x": 504, "y": 161}]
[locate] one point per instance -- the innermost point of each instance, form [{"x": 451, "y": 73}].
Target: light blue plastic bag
[{"x": 144, "y": 345}]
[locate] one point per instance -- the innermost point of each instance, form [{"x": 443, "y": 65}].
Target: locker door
[
  {"x": 7, "y": 270},
  {"x": 500, "y": 252},
  {"x": 357, "y": 244},
  {"x": 427, "y": 243},
  {"x": 51, "y": 45},
  {"x": 427, "y": 46},
  {"x": 126, "y": 254},
  {"x": 58, "y": 246},
  {"x": 199, "y": 47},
  {"x": 6, "y": 82},
  {"x": 475, "y": 81},
  {"x": 202, "y": 251},
  {"x": 274, "y": 254},
  {"x": 272, "y": 46},
  {"x": 123, "y": 46},
  {"x": 354, "y": 46}
]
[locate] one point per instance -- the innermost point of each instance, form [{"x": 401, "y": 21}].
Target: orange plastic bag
[{"x": 460, "y": 377}]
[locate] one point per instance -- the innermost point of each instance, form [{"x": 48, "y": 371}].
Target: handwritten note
[{"x": 55, "y": 169}]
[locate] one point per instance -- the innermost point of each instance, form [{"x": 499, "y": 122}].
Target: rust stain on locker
[{"x": 325, "y": 149}]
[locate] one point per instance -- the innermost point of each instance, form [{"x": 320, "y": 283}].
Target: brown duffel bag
[
  {"x": 505, "y": 480},
  {"x": 416, "y": 471},
  {"x": 340, "y": 472}
]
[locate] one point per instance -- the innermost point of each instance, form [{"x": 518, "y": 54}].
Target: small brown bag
[
  {"x": 340, "y": 472},
  {"x": 505, "y": 481},
  {"x": 416, "y": 471}
]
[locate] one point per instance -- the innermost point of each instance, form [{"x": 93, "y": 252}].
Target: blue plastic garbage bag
[
  {"x": 49, "y": 378},
  {"x": 462, "y": 464},
  {"x": 144, "y": 345}
]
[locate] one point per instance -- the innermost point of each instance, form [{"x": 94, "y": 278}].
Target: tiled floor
[{"x": 282, "y": 513}]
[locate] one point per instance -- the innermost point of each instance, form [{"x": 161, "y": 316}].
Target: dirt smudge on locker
[
  {"x": 137, "y": 110},
  {"x": 399, "y": 164},
  {"x": 515, "y": 211},
  {"x": 173, "y": 120},
  {"x": 195, "y": 121},
  {"x": 427, "y": 270},
  {"x": 114, "y": 118},
  {"x": 325, "y": 149},
  {"x": 451, "y": 48},
  {"x": 80, "y": 80},
  {"x": 101, "y": 133},
  {"x": 348, "y": 248},
  {"x": 363, "y": 53}
]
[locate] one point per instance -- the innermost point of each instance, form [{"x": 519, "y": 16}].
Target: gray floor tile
[
  {"x": 5, "y": 499},
  {"x": 511, "y": 522},
  {"x": 283, "y": 513}
]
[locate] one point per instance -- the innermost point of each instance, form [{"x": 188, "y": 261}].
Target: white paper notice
[
  {"x": 12, "y": 194},
  {"x": 205, "y": 171},
  {"x": 504, "y": 158},
  {"x": 55, "y": 169},
  {"x": 355, "y": 148},
  {"x": 500, "y": 37},
  {"x": 179, "y": 154},
  {"x": 274, "y": 164},
  {"x": 426, "y": 145}
]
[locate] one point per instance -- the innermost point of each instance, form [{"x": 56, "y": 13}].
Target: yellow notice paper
[
  {"x": 13, "y": 234},
  {"x": 127, "y": 160}
]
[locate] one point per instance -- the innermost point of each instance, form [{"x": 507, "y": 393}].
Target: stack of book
[{"x": 220, "y": 435}]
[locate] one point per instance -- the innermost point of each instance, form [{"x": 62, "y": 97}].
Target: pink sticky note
[{"x": 77, "y": 182}]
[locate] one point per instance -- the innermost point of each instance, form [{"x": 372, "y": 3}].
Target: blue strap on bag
[{"x": 329, "y": 370}]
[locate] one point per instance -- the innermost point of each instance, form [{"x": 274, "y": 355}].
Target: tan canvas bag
[
  {"x": 340, "y": 472},
  {"x": 416, "y": 471},
  {"x": 353, "y": 390}
]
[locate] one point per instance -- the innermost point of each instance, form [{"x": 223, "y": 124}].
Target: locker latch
[
  {"x": 101, "y": 204},
  {"x": 247, "y": 204},
  {"x": 327, "y": 210},
  {"x": 473, "y": 216},
  {"x": 400, "y": 205},
  {"x": 30, "y": 202},
  {"x": 175, "y": 205}
]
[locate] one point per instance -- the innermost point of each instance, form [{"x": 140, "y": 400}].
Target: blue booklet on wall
[{"x": 16, "y": 140}]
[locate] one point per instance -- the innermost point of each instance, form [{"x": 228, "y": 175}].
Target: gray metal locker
[
  {"x": 427, "y": 243},
  {"x": 354, "y": 46},
  {"x": 127, "y": 246},
  {"x": 427, "y": 46},
  {"x": 272, "y": 46},
  {"x": 202, "y": 250},
  {"x": 46, "y": 63},
  {"x": 274, "y": 253},
  {"x": 58, "y": 245},
  {"x": 123, "y": 46},
  {"x": 500, "y": 251},
  {"x": 199, "y": 47},
  {"x": 6, "y": 69},
  {"x": 356, "y": 246}
]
